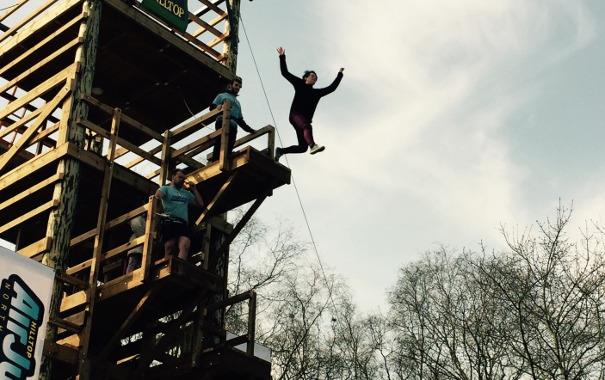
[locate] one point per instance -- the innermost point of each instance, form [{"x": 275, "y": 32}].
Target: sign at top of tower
[{"x": 174, "y": 12}]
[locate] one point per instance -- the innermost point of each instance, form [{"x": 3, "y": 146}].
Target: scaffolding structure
[{"x": 99, "y": 101}]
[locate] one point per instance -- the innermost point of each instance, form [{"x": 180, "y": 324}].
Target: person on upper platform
[
  {"x": 235, "y": 115},
  {"x": 303, "y": 106}
]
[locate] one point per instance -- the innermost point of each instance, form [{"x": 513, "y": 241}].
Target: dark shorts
[{"x": 173, "y": 229}]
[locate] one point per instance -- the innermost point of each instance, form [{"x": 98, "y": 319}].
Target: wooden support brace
[{"x": 226, "y": 186}]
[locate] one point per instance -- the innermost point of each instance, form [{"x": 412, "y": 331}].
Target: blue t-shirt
[
  {"x": 236, "y": 108},
  {"x": 176, "y": 201}
]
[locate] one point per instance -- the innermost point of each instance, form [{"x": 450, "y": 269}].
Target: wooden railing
[{"x": 209, "y": 28}]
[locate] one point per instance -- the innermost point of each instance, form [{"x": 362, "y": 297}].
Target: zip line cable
[{"x": 288, "y": 165}]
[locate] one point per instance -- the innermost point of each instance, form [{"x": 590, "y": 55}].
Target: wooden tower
[{"x": 98, "y": 100}]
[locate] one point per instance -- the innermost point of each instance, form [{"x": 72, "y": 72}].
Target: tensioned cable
[{"x": 288, "y": 165}]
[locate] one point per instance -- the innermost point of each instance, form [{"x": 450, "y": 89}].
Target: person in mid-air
[{"x": 303, "y": 106}]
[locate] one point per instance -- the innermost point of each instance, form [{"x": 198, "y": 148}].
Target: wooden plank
[
  {"x": 128, "y": 146},
  {"x": 12, "y": 9},
  {"x": 22, "y": 195},
  {"x": 38, "y": 91},
  {"x": 27, "y": 216},
  {"x": 23, "y": 34},
  {"x": 15, "y": 81},
  {"x": 166, "y": 158},
  {"x": 41, "y": 43},
  {"x": 71, "y": 341},
  {"x": 202, "y": 46},
  {"x": 72, "y": 301},
  {"x": 214, "y": 6},
  {"x": 25, "y": 20},
  {"x": 251, "y": 323},
  {"x": 66, "y": 325},
  {"x": 45, "y": 133},
  {"x": 22, "y": 143},
  {"x": 188, "y": 128},
  {"x": 107, "y": 255},
  {"x": 125, "y": 118},
  {"x": 67, "y": 279},
  {"x": 212, "y": 23},
  {"x": 205, "y": 25},
  {"x": 218, "y": 40},
  {"x": 36, "y": 248},
  {"x": 33, "y": 165},
  {"x": 120, "y": 284},
  {"x": 20, "y": 122},
  {"x": 150, "y": 227},
  {"x": 112, "y": 223},
  {"x": 204, "y": 142},
  {"x": 224, "y": 188},
  {"x": 141, "y": 159},
  {"x": 224, "y": 154}
]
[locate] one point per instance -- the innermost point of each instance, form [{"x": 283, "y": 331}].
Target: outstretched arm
[
  {"x": 327, "y": 90},
  {"x": 244, "y": 125},
  {"x": 284, "y": 68}
]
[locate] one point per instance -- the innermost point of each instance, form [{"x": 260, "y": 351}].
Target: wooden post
[
  {"x": 165, "y": 169},
  {"x": 150, "y": 227},
  {"x": 232, "y": 28},
  {"x": 251, "y": 323},
  {"x": 97, "y": 255},
  {"x": 225, "y": 155},
  {"x": 65, "y": 192}
]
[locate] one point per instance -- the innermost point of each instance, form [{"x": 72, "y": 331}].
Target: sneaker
[
  {"x": 278, "y": 153},
  {"x": 317, "y": 148}
]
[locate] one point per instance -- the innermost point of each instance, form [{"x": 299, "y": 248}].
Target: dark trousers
[
  {"x": 232, "y": 137},
  {"x": 304, "y": 134}
]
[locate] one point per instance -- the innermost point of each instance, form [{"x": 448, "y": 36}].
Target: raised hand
[
  {"x": 281, "y": 51},
  {"x": 341, "y": 70}
]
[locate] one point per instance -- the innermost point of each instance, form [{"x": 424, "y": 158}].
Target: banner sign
[
  {"x": 174, "y": 12},
  {"x": 25, "y": 294}
]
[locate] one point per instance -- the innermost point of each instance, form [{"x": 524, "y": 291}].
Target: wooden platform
[{"x": 253, "y": 173}]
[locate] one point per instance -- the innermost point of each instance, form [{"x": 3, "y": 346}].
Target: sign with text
[
  {"x": 174, "y": 12},
  {"x": 25, "y": 293}
]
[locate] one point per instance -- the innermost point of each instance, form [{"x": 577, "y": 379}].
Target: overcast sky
[{"x": 453, "y": 118}]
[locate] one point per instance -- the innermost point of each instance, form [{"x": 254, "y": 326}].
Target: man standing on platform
[
  {"x": 235, "y": 115},
  {"x": 176, "y": 198}
]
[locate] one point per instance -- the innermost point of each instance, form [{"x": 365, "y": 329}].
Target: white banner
[{"x": 24, "y": 301}]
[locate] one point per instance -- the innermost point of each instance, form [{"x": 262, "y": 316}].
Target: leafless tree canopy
[{"x": 533, "y": 311}]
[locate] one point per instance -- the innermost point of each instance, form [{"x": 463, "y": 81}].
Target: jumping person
[
  {"x": 176, "y": 198},
  {"x": 303, "y": 106},
  {"x": 235, "y": 115}
]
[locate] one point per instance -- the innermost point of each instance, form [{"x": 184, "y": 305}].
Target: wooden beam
[
  {"x": 26, "y": 19},
  {"x": 214, "y": 6},
  {"x": 188, "y": 128},
  {"x": 251, "y": 323},
  {"x": 38, "y": 91},
  {"x": 20, "y": 122},
  {"x": 23, "y": 34},
  {"x": 15, "y": 81},
  {"x": 212, "y": 23},
  {"x": 41, "y": 43},
  {"x": 73, "y": 300},
  {"x": 205, "y": 25},
  {"x": 226, "y": 186},
  {"x": 22, "y": 195},
  {"x": 27, "y": 216},
  {"x": 225, "y": 154},
  {"x": 22, "y": 143},
  {"x": 33, "y": 165},
  {"x": 204, "y": 142},
  {"x": 150, "y": 227},
  {"x": 125, "y": 118},
  {"x": 12, "y": 9},
  {"x": 128, "y": 146},
  {"x": 36, "y": 248}
]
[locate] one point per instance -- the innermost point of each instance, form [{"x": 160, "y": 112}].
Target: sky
[{"x": 454, "y": 118}]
